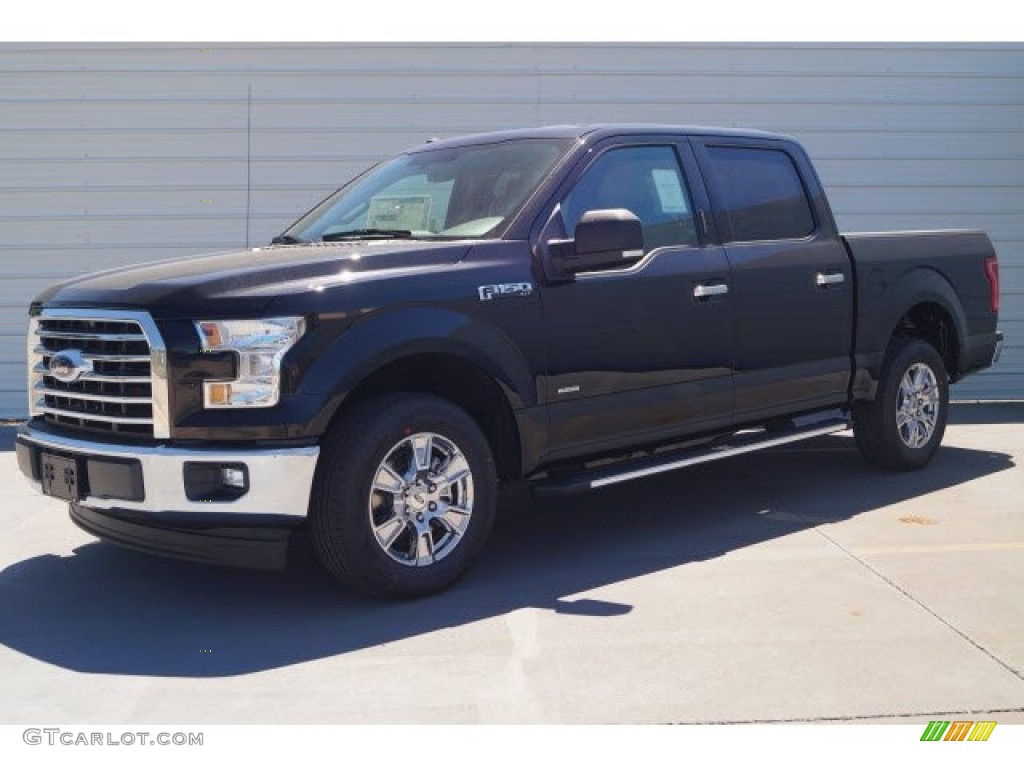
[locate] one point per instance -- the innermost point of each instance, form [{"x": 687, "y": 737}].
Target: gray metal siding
[{"x": 114, "y": 154}]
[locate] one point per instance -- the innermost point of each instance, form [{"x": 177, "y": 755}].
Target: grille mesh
[{"x": 114, "y": 393}]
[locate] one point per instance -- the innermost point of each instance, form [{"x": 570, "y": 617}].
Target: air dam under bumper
[
  {"x": 237, "y": 543},
  {"x": 138, "y": 497}
]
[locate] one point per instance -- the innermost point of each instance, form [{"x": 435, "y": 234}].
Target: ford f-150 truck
[{"x": 573, "y": 306}]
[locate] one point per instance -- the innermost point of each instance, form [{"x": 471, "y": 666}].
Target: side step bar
[{"x": 585, "y": 480}]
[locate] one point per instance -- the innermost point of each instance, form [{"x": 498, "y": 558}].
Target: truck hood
[{"x": 245, "y": 282}]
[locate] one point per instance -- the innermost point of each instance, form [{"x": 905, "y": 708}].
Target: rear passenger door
[{"x": 792, "y": 297}]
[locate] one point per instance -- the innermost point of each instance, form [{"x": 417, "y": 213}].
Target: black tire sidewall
[{"x": 351, "y": 463}]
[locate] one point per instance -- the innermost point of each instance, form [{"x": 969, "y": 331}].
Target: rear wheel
[
  {"x": 405, "y": 496},
  {"x": 903, "y": 426}
]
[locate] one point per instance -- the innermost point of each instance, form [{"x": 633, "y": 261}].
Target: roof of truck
[{"x": 594, "y": 132}]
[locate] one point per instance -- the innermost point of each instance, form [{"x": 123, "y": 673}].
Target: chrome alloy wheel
[
  {"x": 917, "y": 405},
  {"x": 421, "y": 499}
]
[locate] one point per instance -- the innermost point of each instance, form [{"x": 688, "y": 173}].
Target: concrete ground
[{"x": 793, "y": 585}]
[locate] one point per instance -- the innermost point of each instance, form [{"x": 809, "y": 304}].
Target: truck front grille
[{"x": 98, "y": 370}]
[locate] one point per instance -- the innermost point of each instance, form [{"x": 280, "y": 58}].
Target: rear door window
[{"x": 761, "y": 193}]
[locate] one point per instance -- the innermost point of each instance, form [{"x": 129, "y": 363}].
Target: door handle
[
  {"x": 705, "y": 290},
  {"x": 825, "y": 279}
]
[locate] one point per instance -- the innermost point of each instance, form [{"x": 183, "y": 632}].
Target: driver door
[{"x": 643, "y": 352}]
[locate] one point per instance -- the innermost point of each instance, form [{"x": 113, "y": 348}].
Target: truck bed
[{"x": 944, "y": 268}]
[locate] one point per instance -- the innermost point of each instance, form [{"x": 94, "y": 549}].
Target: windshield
[{"x": 458, "y": 192}]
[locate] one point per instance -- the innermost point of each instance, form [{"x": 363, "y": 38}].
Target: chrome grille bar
[
  {"x": 87, "y": 417},
  {"x": 41, "y": 350},
  {"x": 44, "y": 391},
  {"x": 93, "y": 376},
  {"x": 96, "y": 336}
]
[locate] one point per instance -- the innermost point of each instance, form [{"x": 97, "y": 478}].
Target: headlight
[{"x": 260, "y": 345}]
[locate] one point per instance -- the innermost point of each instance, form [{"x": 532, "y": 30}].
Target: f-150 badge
[{"x": 504, "y": 290}]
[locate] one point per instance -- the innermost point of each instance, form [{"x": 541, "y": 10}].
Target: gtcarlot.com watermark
[{"x": 58, "y": 736}]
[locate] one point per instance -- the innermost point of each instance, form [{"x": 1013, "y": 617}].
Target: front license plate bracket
[{"x": 60, "y": 476}]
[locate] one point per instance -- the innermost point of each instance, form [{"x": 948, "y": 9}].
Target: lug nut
[{"x": 432, "y": 506}]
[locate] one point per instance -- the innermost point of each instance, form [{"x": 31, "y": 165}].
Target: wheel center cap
[{"x": 416, "y": 498}]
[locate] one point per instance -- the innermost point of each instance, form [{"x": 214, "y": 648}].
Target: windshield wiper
[
  {"x": 287, "y": 240},
  {"x": 360, "y": 234}
]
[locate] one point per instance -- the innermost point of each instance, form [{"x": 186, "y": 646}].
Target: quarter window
[
  {"x": 644, "y": 180},
  {"x": 761, "y": 193}
]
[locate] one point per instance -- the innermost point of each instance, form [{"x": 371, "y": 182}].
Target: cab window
[
  {"x": 761, "y": 193},
  {"x": 644, "y": 180}
]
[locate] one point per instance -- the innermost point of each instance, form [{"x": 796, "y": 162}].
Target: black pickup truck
[{"x": 573, "y": 306}]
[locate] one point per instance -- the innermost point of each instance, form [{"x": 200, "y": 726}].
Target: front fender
[{"x": 386, "y": 336}]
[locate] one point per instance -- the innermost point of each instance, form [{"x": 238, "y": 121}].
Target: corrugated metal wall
[{"x": 113, "y": 154}]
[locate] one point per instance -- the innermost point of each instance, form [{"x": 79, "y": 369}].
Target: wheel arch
[
  {"x": 462, "y": 382},
  {"x": 921, "y": 304},
  {"x": 933, "y": 322},
  {"x": 440, "y": 352}
]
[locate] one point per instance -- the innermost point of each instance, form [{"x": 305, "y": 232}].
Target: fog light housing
[
  {"x": 215, "y": 481},
  {"x": 234, "y": 477}
]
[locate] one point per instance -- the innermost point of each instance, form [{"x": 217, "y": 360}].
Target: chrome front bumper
[{"x": 280, "y": 479}]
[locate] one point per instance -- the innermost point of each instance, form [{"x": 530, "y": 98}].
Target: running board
[{"x": 740, "y": 443}]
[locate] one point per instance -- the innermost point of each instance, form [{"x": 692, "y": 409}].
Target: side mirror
[{"x": 603, "y": 239}]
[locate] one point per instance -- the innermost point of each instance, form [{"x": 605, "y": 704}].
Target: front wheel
[
  {"x": 404, "y": 497},
  {"x": 903, "y": 426}
]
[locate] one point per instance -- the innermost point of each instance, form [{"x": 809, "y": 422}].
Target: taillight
[{"x": 992, "y": 273}]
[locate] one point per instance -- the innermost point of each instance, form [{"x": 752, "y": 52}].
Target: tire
[
  {"x": 902, "y": 428},
  {"x": 404, "y": 496}
]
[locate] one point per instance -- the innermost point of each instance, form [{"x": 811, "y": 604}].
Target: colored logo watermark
[{"x": 958, "y": 730}]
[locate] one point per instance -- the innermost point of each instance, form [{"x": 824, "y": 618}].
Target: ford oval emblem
[{"x": 68, "y": 365}]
